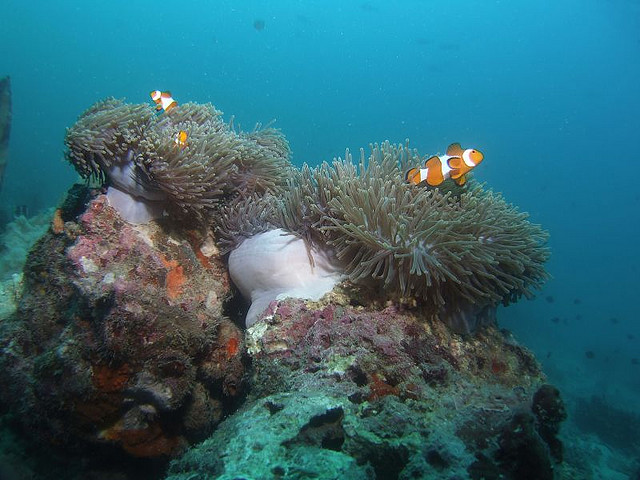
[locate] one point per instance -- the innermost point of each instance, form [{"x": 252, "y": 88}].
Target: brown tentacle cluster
[
  {"x": 454, "y": 248},
  {"x": 216, "y": 163}
]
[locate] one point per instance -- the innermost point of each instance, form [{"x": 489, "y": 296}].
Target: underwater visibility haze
[{"x": 546, "y": 91}]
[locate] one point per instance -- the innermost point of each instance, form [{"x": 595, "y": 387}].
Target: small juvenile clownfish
[
  {"x": 164, "y": 100},
  {"x": 181, "y": 139},
  {"x": 455, "y": 165}
]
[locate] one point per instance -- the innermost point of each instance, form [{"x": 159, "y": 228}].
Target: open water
[{"x": 547, "y": 90}]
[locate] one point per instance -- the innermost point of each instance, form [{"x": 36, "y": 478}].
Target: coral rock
[
  {"x": 341, "y": 390},
  {"x": 120, "y": 337}
]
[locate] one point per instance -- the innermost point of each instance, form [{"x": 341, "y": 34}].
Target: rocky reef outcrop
[
  {"x": 341, "y": 390},
  {"x": 123, "y": 341},
  {"x": 119, "y": 340},
  {"x": 127, "y": 341}
]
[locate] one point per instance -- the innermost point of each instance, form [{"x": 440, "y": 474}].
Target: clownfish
[
  {"x": 455, "y": 165},
  {"x": 181, "y": 139},
  {"x": 164, "y": 100}
]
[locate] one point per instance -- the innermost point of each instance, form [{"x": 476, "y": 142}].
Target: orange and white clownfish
[
  {"x": 164, "y": 100},
  {"x": 455, "y": 165},
  {"x": 181, "y": 138}
]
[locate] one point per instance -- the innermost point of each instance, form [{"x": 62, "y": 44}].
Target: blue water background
[{"x": 548, "y": 90}]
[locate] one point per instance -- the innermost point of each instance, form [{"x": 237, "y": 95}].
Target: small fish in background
[
  {"x": 549, "y": 299},
  {"x": 590, "y": 354},
  {"x": 181, "y": 139},
  {"x": 630, "y": 336},
  {"x": 164, "y": 100},
  {"x": 258, "y": 25},
  {"x": 455, "y": 165},
  {"x": 555, "y": 319},
  {"x": 614, "y": 320},
  {"x": 21, "y": 211},
  {"x": 577, "y": 301},
  {"x": 635, "y": 361}
]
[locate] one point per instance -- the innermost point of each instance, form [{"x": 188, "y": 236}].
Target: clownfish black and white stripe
[
  {"x": 455, "y": 165},
  {"x": 181, "y": 139},
  {"x": 164, "y": 100}
]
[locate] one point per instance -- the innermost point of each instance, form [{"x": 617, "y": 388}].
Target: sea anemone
[
  {"x": 136, "y": 153},
  {"x": 459, "y": 251},
  {"x": 275, "y": 265}
]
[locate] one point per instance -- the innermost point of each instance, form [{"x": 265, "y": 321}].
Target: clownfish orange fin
[
  {"x": 455, "y": 163},
  {"x": 413, "y": 176},
  {"x": 461, "y": 180},
  {"x": 434, "y": 171},
  {"x": 456, "y": 174},
  {"x": 454, "y": 150}
]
